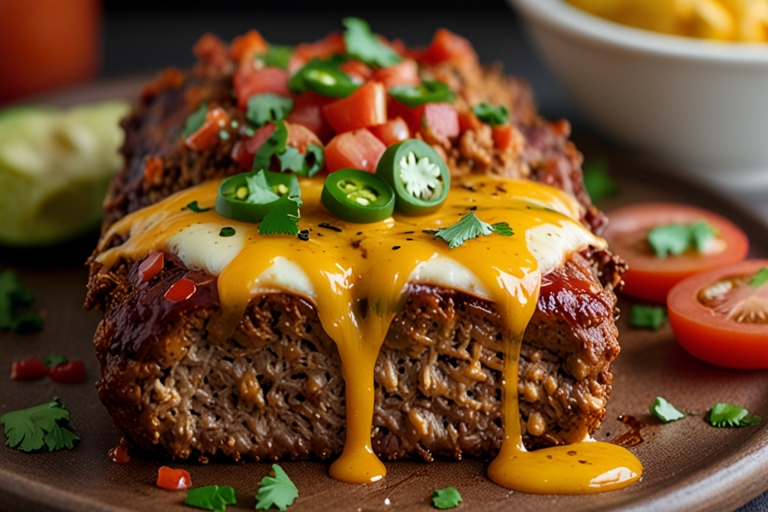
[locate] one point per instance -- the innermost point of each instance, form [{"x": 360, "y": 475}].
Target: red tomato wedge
[
  {"x": 308, "y": 111},
  {"x": 403, "y": 73},
  {"x": 720, "y": 318},
  {"x": 173, "y": 479},
  {"x": 449, "y": 47},
  {"x": 249, "y": 81},
  {"x": 365, "y": 107},
  {"x": 70, "y": 372},
  {"x": 392, "y": 132},
  {"x": 650, "y": 277},
  {"x": 359, "y": 149},
  {"x": 29, "y": 369},
  {"x": 299, "y": 137}
]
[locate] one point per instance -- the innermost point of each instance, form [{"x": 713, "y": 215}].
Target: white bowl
[{"x": 700, "y": 104}]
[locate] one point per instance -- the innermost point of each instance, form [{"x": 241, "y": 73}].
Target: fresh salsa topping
[
  {"x": 366, "y": 46},
  {"x": 213, "y": 497},
  {"x": 323, "y": 77},
  {"x": 358, "y": 196},
  {"x": 429, "y": 91},
  {"x": 446, "y": 498},
  {"x": 276, "y": 491},
  {"x": 470, "y": 227},
  {"x": 195, "y": 120},
  {"x": 14, "y": 297},
  {"x": 43, "y": 426},
  {"x": 267, "y": 108},
  {"x": 286, "y": 154}
]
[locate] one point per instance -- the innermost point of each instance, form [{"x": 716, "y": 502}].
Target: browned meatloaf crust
[{"x": 274, "y": 390}]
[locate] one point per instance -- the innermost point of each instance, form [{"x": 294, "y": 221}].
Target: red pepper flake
[
  {"x": 151, "y": 266},
  {"x": 173, "y": 479},
  {"x": 30, "y": 369},
  {"x": 70, "y": 372},
  {"x": 181, "y": 290}
]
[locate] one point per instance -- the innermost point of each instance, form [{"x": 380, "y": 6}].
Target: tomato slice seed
[
  {"x": 173, "y": 479},
  {"x": 70, "y": 372},
  {"x": 29, "y": 369},
  {"x": 181, "y": 290},
  {"x": 151, "y": 266}
]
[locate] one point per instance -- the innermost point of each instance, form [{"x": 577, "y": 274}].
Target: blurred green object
[{"x": 55, "y": 166}]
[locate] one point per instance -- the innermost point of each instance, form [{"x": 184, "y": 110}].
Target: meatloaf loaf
[{"x": 274, "y": 389}]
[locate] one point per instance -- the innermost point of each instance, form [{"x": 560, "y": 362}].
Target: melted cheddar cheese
[{"x": 348, "y": 267}]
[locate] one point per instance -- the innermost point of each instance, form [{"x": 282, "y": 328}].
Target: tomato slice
[
  {"x": 403, "y": 73},
  {"x": 365, "y": 107},
  {"x": 308, "y": 111},
  {"x": 650, "y": 277},
  {"x": 393, "y": 131},
  {"x": 249, "y": 81},
  {"x": 359, "y": 149},
  {"x": 720, "y": 318},
  {"x": 29, "y": 369},
  {"x": 449, "y": 47}
]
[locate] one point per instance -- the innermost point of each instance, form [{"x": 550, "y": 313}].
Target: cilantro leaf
[
  {"x": 227, "y": 231},
  {"x": 364, "y": 45},
  {"x": 277, "y": 56},
  {"x": 196, "y": 208},
  {"x": 282, "y": 217},
  {"x": 647, "y": 317},
  {"x": 728, "y": 415},
  {"x": 195, "y": 120},
  {"x": 213, "y": 497},
  {"x": 267, "y": 108},
  {"x": 278, "y": 491},
  {"x": 596, "y": 180},
  {"x": 303, "y": 164},
  {"x": 674, "y": 239},
  {"x": 55, "y": 360},
  {"x": 47, "y": 425},
  {"x": 491, "y": 115},
  {"x": 274, "y": 145},
  {"x": 470, "y": 227},
  {"x": 12, "y": 297},
  {"x": 665, "y": 411},
  {"x": 259, "y": 189},
  {"x": 759, "y": 279},
  {"x": 446, "y": 498}
]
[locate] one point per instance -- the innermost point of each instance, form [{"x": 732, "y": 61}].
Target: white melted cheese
[{"x": 201, "y": 247}]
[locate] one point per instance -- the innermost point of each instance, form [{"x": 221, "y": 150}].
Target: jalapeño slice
[
  {"x": 413, "y": 96},
  {"x": 358, "y": 196},
  {"x": 322, "y": 77},
  {"x": 248, "y": 196},
  {"x": 417, "y": 174}
]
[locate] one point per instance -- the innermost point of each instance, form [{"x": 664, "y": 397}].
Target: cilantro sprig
[
  {"x": 674, "y": 239},
  {"x": 759, "y": 279},
  {"x": 598, "y": 183},
  {"x": 14, "y": 297},
  {"x": 364, "y": 45},
  {"x": 470, "y": 227},
  {"x": 724, "y": 415},
  {"x": 647, "y": 317},
  {"x": 277, "y": 56},
  {"x": 195, "y": 120},
  {"x": 276, "y": 491},
  {"x": 45, "y": 425},
  {"x": 491, "y": 115},
  {"x": 55, "y": 360},
  {"x": 267, "y": 108},
  {"x": 446, "y": 498},
  {"x": 212, "y": 497},
  {"x": 289, "y": 158},
  {"x": 665, "y": 411}
]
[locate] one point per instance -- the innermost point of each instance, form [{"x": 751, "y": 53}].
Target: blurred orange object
[{"x": 46, "y": 44}]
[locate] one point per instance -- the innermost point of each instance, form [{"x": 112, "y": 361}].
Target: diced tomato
[
  {"x": 325, "y": 48},
  {"x": 365, "y": 107},
  {"x": 151, "y": 266},
  {"x": 393, "y": 131},
  {"x": 308, "y": 111},
  {"x": 404, "y": 73},
  {"x": 245, "y": 48},
  {"x": 70, "y": 372},
  {"x": 441, "y": 118},
  {"x": 359, "y": 149},
  {"x": 29, "y": 369},
  {"x": 249, "y": 81},
  {"x": 244, "y": 150},
  {"x": 650, "y": 277},
  {"x": 411, "y": 117},
  {"x": 299, "y": 137},
  {"x": 719, "y": 317},
  {"x": 181, "y": 290},
  {"x": 356, "y": 70},
  {"x": 207, "y": 136},
  {"x": 173, "y": 479},
  {"x": 468, "y": 121},
  {"x": 449, "y": 47},
  {"x": 505, "y": 138}
]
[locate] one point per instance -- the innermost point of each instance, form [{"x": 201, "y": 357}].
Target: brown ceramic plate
[{"x": 688, "y": 464}]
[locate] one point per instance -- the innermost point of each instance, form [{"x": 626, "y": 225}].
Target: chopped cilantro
[
  {"x": 276, "y": 491},
  {"x": 277, "y": 56},
  {"x": 471, "y": 227},
  {"x": 46, "y": 425},
  {"x": 303, "y": 164},
  {"x": 665, "y": 411},
  {"x": 596, "y": 180},
  {"x": 195, "y": 120},
  {"x": 728, "y": 415},
  {"x": 647, "y": 317},
  {"x": 274, "y": 145},
  {"x": 364, "y": 45},
  {"x": 759, "y": 279},
  {"x": 196, "y": 208},
  {"x": 267, "y": 108},
  {"x": 213, "y": 497},
  {"x": 674, "y": 239},
  {"x": 14, "y": 296},
  {"x": 55, "y": 360},
  {"x": 282, "y": 217},
  {"x": 446, "y": 498},
  {"x": 491, "y": 115},
  {"x": 227, "y": 231}
]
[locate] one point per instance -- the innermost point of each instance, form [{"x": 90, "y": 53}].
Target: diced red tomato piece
[
  {"x": 504, "y": 137},
  {"x": 244, "y": 150},
  {"x": 181, "y": 290},
  {"x": 441, "y": 118},
  {"x": 411, "y": 117},
  {"x": 173, "y": 479},
  {"x": 356, "y": 70},
  {"x": 151, "y": 266},
  {"x": 308, "y": 111},
  {"x": 359, "y": 149},
  {"x": 325, "y": 48},
  {"x": 245, "y": 48},
  {"x": 449, "y": 47},
  {"x": 365, "y": 107},
  {"x": 207, "y": 136},
  {"x": 404, "y": 73},
  {"x": 70, "y": 372},
  {"x": 299, "y": 137},
  {"x": 249, "y": 81},
  {"x": 29, "y": 369},
  {"x": 393, "y": 131},
  {"x": 468, "y": 121}
]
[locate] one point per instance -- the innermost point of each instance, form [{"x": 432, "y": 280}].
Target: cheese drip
[{"x": 358, "y": 279}]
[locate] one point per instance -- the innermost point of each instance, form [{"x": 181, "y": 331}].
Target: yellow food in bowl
[{"x": 724, "y": 20}]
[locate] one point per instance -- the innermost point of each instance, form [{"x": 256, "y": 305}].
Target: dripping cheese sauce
[{"x": 337, "y": 277}]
